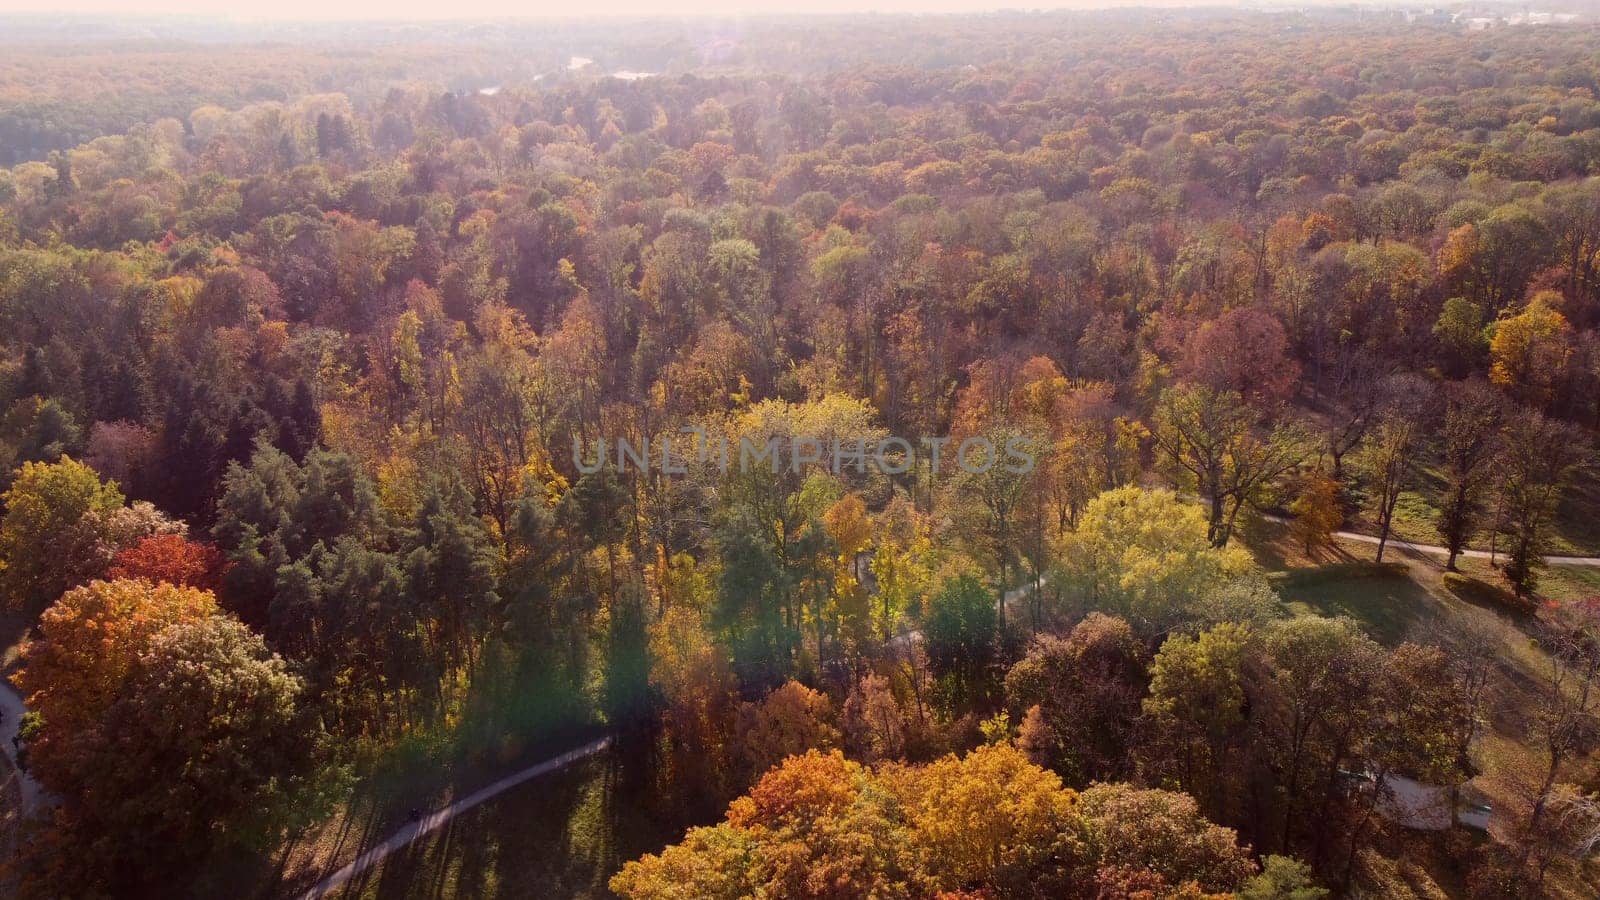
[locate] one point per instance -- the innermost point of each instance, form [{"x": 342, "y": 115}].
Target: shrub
[{"x": 1465, "y": 587}]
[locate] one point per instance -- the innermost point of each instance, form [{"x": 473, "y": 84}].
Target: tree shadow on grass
[
  {"x": 1388, "y": 605},
  {"x": 1275, "y": 550},
  {"x": 559, "y": 835},
  {"x": 1576, "y": 521}
]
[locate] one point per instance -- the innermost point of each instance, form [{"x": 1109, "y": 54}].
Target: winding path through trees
[
  {"x": 1442, "y": 551},
  {"x": 12, "y": 710},
  {"x": 433, "y": 821}
]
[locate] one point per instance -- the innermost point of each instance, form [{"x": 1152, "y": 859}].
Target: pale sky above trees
[{"x": 477, "y": 9}]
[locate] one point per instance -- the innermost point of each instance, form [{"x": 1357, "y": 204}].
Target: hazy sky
[{"x": 473, "y": 9}]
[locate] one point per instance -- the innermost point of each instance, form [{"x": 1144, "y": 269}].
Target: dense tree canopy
[
  {"x": 989, "y": 822},
  {"x": 434, "y": 399}
]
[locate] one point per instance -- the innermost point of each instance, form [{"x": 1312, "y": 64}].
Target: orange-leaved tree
[
  {"x": 173, "y": 559},
  {"x": 90, "y": 640},
  {"x": 990, "y": 823}
]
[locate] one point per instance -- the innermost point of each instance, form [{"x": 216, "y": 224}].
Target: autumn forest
[{"x": 324, "y": 570}]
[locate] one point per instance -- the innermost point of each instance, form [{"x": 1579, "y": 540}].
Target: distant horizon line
[{"x": 956, "y": 8}]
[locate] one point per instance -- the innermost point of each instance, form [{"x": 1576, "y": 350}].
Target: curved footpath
[
  {"x": 11, "y": 710},
  {"x": 1443, "y": 551},
  {"x": 11, "y": 705},
  {"x": 433, "y": 821}
]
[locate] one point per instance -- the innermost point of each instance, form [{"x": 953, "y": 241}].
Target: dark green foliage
[
  {"x": 751, "y": 604},
  {"x": 961, "y": 632}
]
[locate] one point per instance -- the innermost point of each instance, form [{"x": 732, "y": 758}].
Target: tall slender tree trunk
[
  {"x": 1457, "y": 536},
  {"x": 1536, "y": 816},
  {"x": 1218, "y": 513},
  {"x": 1385, "y": 520},
  {"x": 1004, "y": 580}
]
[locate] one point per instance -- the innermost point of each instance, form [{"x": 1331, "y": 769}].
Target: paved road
[
  {"x": 1442, "y": 551},
  {"x": 12, "y": 709},
  {"x": 433, "y": 821}
]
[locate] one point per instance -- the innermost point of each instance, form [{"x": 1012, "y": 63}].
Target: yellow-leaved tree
[
  {"x": 1529, "y": 351},
  {"x": 1145, "y": 555},
  {"x": 990, "y": 823},
  {"x": 89, "y": 641}
]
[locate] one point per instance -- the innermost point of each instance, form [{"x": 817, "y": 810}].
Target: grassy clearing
[
  {"x": 1406, "y": 599},
  {"x": 1408, "y": 592},
  {"x": 1574, "y": 532},
  {"x": 1390, "y": 606},
  {"x": 562, "y": 835},
  {"x": 1276, "y": 551},
  {"x": 424, "y": 772}
]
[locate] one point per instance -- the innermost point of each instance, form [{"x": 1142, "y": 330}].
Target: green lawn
[
  {"x": 1401, "y": 600},
  {"x": 1575, "y": 531},
  {"x": 1565, "y": 583},
  {"x": 1391, "y": 605}
]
